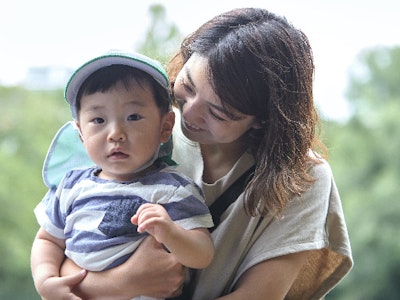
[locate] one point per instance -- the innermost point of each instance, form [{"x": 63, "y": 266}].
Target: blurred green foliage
[
  {"x": 28, "y": 123},
  {"x": 366, "y": 162},
  {"x": 363, "y": 154},
  {"x": 162, "y": 38}
]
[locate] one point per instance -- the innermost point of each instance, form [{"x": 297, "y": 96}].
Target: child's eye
[
  {"x": 98, "y": 120},
  {"x": 134, "y": 117}
]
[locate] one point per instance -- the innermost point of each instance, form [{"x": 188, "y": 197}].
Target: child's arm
[
  {"x": 193, "y": 248},
  {"x": 47, "y": 256}
]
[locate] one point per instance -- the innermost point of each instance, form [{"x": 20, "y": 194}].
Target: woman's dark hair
[
  {"x": 106, "y": 78},
  {"x": 260, "y": 65}
]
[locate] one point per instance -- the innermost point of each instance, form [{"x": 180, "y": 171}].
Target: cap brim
[{"x": 135, "y": 60}]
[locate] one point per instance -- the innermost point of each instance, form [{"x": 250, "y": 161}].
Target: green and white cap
[{"x": 113, "y": 57}]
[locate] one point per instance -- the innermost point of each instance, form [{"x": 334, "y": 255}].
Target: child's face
[{"x": 122, "y": 128}]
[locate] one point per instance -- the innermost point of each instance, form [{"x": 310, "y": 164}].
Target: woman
[{"x": 243, "y": 85}]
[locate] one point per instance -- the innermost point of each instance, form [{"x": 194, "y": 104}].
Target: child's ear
[
  {"x": 167, "y": 125},
  {"x": 79, "y": 131}
]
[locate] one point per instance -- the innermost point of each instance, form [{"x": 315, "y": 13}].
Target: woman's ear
[
  {"x": 167, "y": 124},
  {"x": 256, "y": 125}
]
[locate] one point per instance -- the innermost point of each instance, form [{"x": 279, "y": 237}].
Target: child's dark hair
[{"x": 106, "y": 78}]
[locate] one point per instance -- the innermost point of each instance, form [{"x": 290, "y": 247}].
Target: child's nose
[{"x": 117, "y": 133}]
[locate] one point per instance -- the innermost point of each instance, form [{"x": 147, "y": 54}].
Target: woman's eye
[
  {"x": 134, "y": 117},
  {"x": 186, "y": 87},
  {"x": 217, "y": 116}
]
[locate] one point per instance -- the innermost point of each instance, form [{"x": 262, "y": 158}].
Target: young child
[{"x": 122, "y": 107}]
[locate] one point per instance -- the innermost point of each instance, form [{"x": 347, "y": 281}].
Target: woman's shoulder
[{"x": 321, "y": 170}]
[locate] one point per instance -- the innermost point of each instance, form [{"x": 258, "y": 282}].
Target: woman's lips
[{"x": 191, "y": 127}]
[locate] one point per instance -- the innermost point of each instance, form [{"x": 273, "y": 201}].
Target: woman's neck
[{"x": 220, "y": 158}]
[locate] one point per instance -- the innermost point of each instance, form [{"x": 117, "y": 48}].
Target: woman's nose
[{"x": 192, "y": 110}]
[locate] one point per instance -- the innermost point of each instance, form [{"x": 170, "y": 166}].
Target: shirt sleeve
[
  {"x": 186, "y": 205},
  {"x": 313, "y": 222},
  {"x": 49, "y": 215}
]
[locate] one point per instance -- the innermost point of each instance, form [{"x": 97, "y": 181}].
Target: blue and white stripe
[{"x": 93, "y": 215}]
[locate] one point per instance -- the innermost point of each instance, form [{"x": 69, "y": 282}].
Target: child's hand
[
  {"x": 55, "y": 288},
  {"x": 154, "y": 219}
]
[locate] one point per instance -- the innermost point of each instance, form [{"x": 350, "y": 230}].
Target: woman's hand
[{"x": 150, "y": 271}]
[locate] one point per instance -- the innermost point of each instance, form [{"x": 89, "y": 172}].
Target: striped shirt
[{"x": 93, "y": 215}]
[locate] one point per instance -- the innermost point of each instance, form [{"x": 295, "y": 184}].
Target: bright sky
[{"x": 38, "y": 33}]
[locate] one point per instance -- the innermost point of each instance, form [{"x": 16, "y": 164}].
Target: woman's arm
[
  {"x": 149, "y": 271},
  {"x": 270, "y": 279}
]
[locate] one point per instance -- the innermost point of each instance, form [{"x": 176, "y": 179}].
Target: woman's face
[{"x": 204, "y": 119}]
